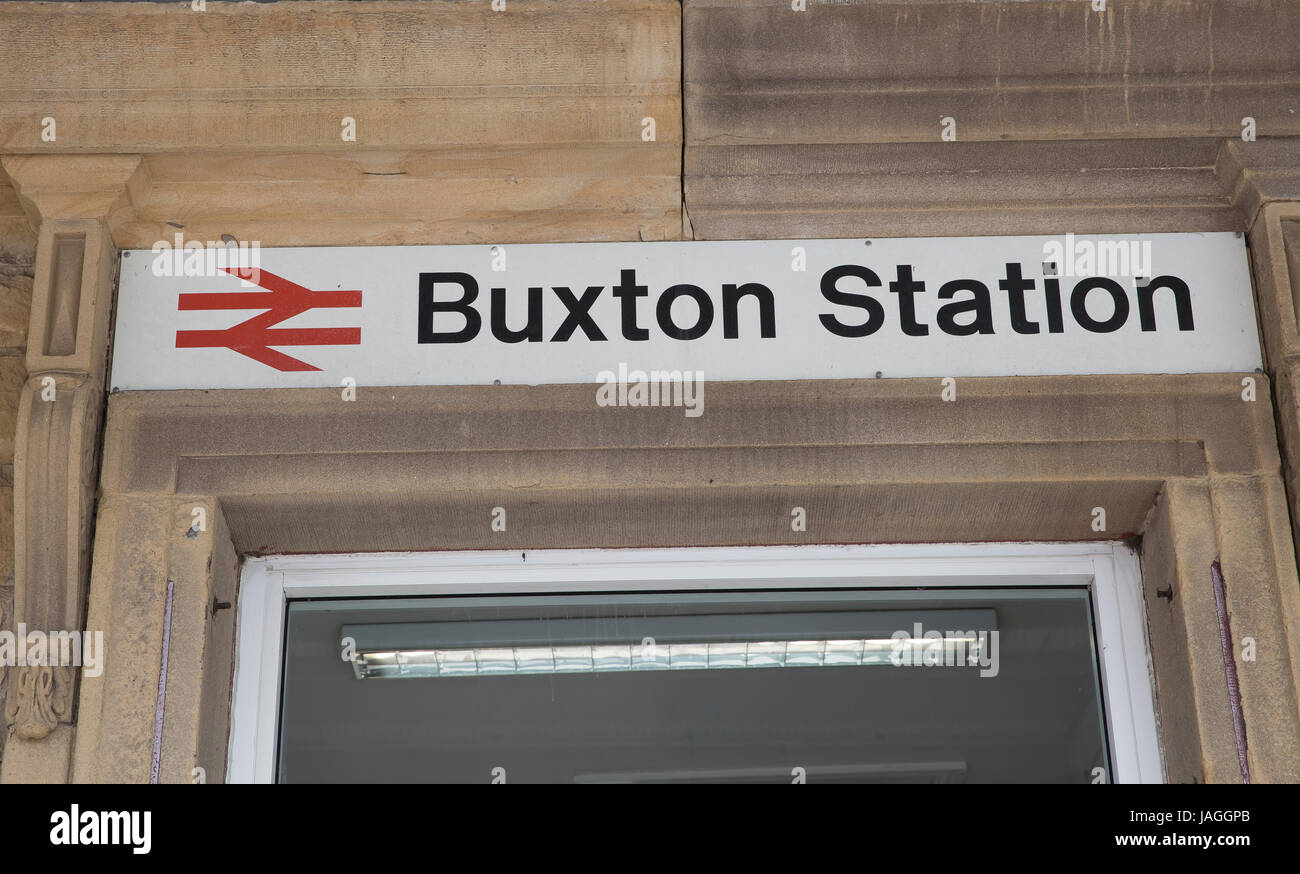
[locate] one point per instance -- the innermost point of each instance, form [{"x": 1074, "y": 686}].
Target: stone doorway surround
[{"x": 550, "y": 150}]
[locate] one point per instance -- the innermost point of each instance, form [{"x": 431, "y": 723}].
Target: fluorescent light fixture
[
  {"x": 484, "y": 648},
  {"x": 587, "y": 659}
]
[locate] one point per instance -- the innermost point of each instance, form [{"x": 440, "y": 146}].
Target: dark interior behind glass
[{"x": 1039, "y": 719}]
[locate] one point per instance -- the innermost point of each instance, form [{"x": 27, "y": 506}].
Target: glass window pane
[{"x": 932, "y": 685}]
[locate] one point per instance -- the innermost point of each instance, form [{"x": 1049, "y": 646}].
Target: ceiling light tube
[{"x": 482, "y": 648}]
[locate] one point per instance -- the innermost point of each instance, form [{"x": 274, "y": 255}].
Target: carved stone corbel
[
  {"x": 55, "y": 447},
  {"x": 54, "y": 473}
]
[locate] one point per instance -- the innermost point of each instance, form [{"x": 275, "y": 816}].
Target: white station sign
[{"x": 217, "y": 317}]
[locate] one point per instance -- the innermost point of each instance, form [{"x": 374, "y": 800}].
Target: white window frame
[{"x": 1110, "y": 570}]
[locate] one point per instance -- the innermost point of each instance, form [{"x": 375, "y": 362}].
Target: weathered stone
[
  {"x": 15, "y": 307},
  {"x": 471, "y": 125},
  {"x": 932, "y": 118},
  {"x": 13, "y": 373},
  {"x": 860, "y": 71},
  {"x": 6, "y": 614},
  {"x": 17, "y": 268}
]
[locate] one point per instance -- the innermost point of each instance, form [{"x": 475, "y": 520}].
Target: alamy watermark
[
  {"x": 182, "y": 257},
  {"x": 23, "y": 648},
  {"x": 132, "y": 828},
  {"x": 1116, "y": 258},
  {"x": 654, "y": 388},
  {"x": 952, "y": 649}
]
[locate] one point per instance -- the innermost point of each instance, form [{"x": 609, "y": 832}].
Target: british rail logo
[{"x": 280, "y": 300}]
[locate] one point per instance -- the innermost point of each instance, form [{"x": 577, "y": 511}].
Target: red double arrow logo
[{"x": 282, "y": 300}]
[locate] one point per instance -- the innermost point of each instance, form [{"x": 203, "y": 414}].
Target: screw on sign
[{"x": 253, "y": 337}]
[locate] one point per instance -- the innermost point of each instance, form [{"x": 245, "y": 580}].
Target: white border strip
[{"x": 1110, "y": 569}]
